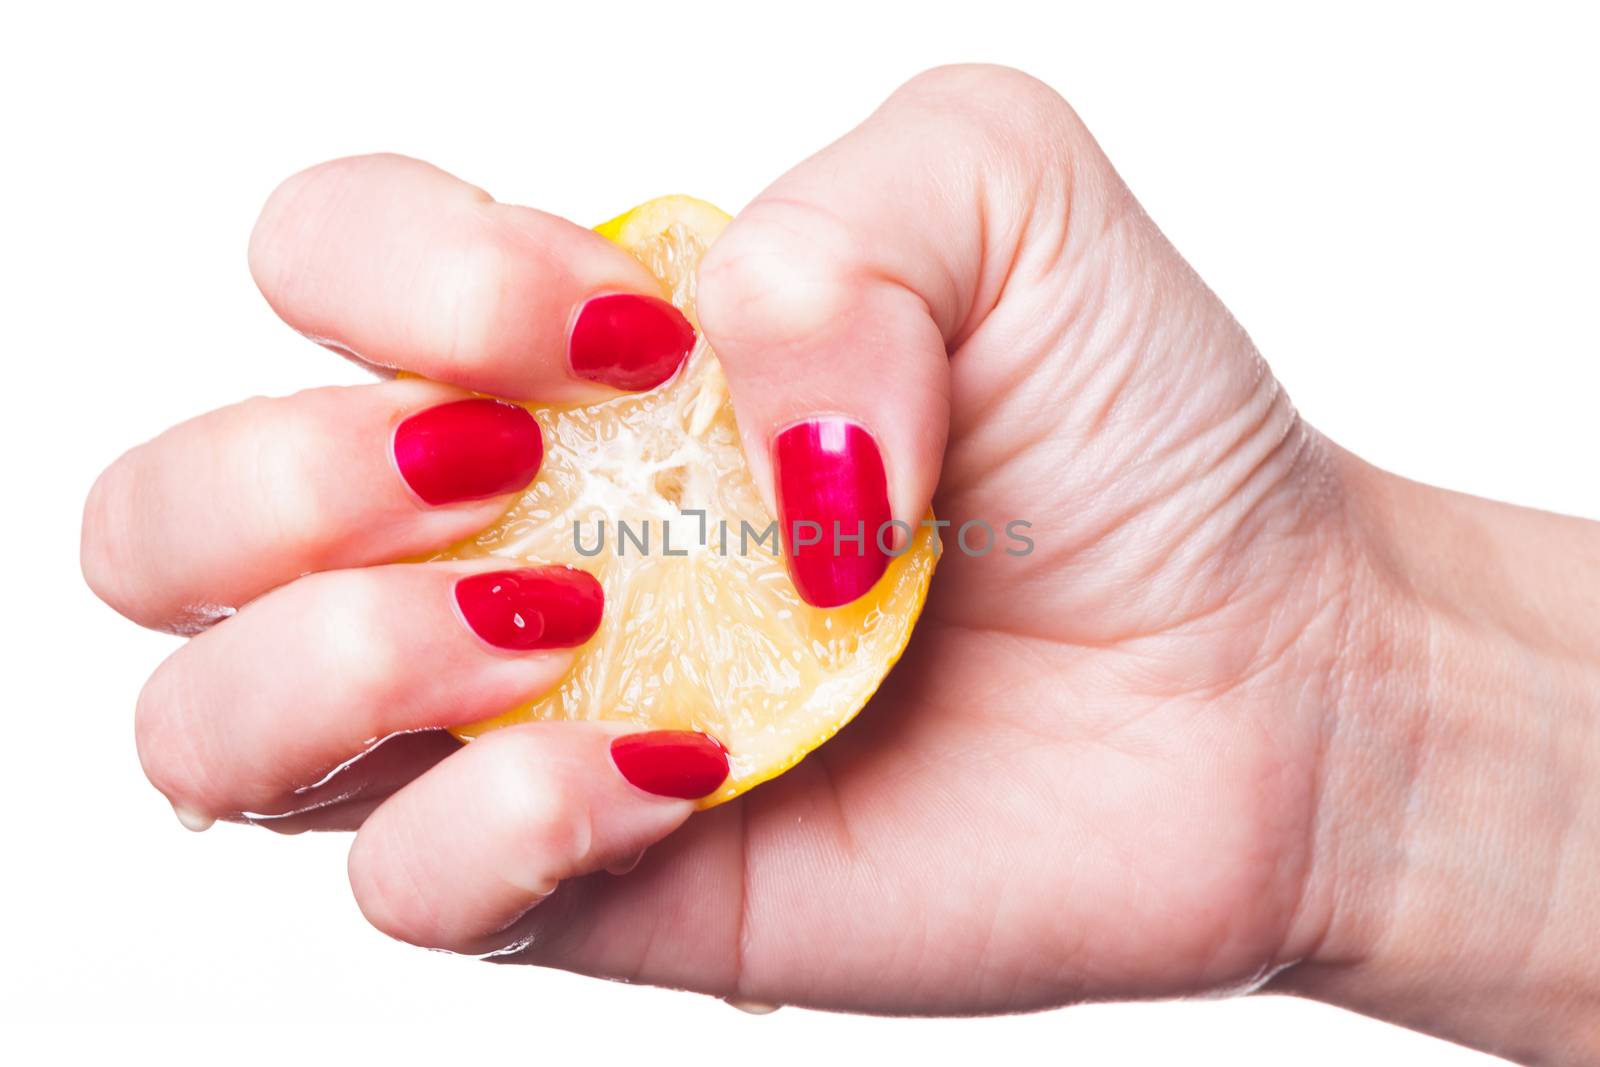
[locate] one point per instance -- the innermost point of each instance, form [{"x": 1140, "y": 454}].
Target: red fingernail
[
  {"x": 671, "y": 763},
  {"x": 468, "y": 450},
  {"x": 628, "y": 342},
  {"x": 833, "y": 509},
  {"x": 539, "y": 607}
]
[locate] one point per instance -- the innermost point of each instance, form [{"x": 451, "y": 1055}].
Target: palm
[{"x": 1079, "y": 760}]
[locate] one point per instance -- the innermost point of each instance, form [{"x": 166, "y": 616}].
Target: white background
[{"x": 1400, "y": 204}]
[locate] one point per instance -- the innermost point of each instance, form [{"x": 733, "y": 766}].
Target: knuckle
[
  {"x": 152, "y": 727},
  {"x": 295, "y": 212},
  {"x": 165, "y": 737},
  {"x": 996, "y": 93},
  {"x": 780, "y": 271},
  {"x": 274, "y": 236},
  {"x": 351, "y": 635},
  {"x": 389, "y": 890},
  {"x": 279, "y": 460},
  {"x": 119, "y": 561},
  {"x": 548, "y": 821},
  {"x": 1018, "y": 132},
  {"x": 103, "y": 551},
  {"x": 476, "y": 311}
]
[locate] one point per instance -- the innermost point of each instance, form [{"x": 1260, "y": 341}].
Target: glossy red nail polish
[
  {"x": 468, "y": 450},
  {"x": 671, "y": 763},
  {"x": 537, "y": 607},
  {"x": 628, "y": 342},
  {"x": 833, "y": 503}
]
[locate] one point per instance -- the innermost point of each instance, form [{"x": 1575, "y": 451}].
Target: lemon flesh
[{"x": 703, "y": 629}]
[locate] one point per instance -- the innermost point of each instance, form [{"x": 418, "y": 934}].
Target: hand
[
  {"x": 1094, "y": 772},
  {"x": 1115, "y": 767}
]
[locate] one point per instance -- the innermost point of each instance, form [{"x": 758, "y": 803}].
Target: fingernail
[
  {"x": 539, "y": 607},
  {"x": 193, "y": 820},
  {"x": 671, "y": 763},
  {"x": 628, "y": 342},
  {"x": 833, "y": 501},
  {"x": 468, "y": 450}
]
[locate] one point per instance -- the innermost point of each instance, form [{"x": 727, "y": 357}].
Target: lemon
[{"x": 703, "y": 629}]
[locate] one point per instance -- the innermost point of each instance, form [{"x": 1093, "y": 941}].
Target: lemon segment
[{"x": 703, "y": 629}]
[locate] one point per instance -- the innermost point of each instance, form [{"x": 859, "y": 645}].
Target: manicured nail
[
  {"x": 468, "y": 450},
  {"x": 628, "y": 342},
  {"x": 193, "y": 820},
  {"x": 671, "y": 763},
  {"x": 833, "y": 503},
  {"x": 539, "y": 607}
]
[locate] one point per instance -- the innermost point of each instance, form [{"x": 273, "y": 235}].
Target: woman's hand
[{"x": 1122, "y": 765}]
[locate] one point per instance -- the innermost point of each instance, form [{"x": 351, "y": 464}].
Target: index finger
[{"x": 405, "y": 267}]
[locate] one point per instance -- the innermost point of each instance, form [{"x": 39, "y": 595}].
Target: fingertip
[
  {"x": 678, "y": 764},
  {"x": 529, "y": 608},
  {"x": 840, "y": 379},
  {"x": 628, "y": 342},
  {"x": 461, "y": 853},
  {"x": 833, "y": 508},
  {"x": 465, "y": 450}
]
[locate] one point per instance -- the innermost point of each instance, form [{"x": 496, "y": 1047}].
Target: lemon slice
[{"x": 703, "y": 629}]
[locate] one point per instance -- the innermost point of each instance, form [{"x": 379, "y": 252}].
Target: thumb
[{"x": 834, "y": 297}]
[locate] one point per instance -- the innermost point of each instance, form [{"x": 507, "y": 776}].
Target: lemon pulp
[{"x": 703, "y": 629}]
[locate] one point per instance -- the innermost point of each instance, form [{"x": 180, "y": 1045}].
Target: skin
[{"x": 1253, "y": 714}]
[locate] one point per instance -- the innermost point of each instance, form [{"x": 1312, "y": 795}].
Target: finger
[
  {"x": 403, "y": 266},
  {"x": 185, "y": 529},
  {"x": 831, "y": 304},
  {"x": 462, "y": 852},
  {"x": 251, "y": 714},
  {"x": 343, "y": 800}
]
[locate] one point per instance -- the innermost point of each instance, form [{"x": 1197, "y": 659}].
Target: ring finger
[{"x": 249, "y": 714}]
